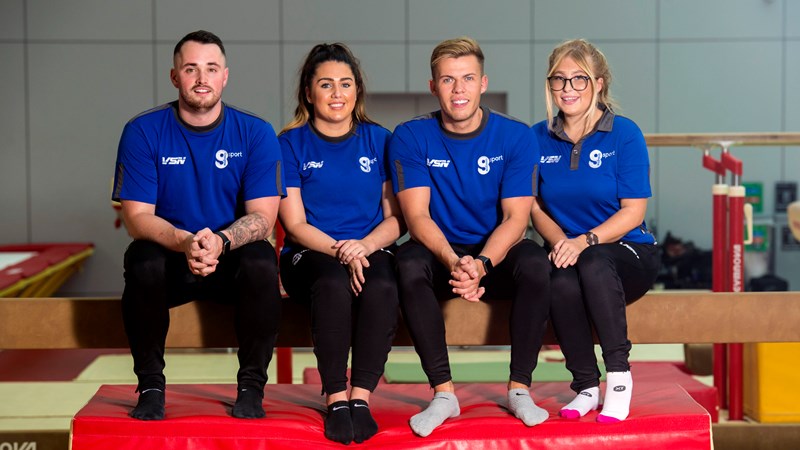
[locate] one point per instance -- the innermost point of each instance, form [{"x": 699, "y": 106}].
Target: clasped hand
[
  {"x": 353, "y": 253},
  {"x": 466, "y": 277},
  {"x": 202, "y": 251},
  {"x": 566, "y": 251}
]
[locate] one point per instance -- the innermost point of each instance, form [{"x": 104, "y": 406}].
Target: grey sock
[
  {"x": 443, "y": 406},
  {"x": 521, "y": 404}
]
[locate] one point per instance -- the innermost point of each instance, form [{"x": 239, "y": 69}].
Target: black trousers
[
  {"x": 339, "y": 317},
  {"x": 596, "y": 290},
  {"x": 157, "y": 279},
  {"x": 522, "y": 277}
]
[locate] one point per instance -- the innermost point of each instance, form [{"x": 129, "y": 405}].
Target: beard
[{"x": 200, "y": 103}]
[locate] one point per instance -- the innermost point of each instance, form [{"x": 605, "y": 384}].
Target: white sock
[
  {"x": 443, "y": 406},
  {"x": 586, "y": 400},
  {"x": 521, "y": 404},
  {"x": 617, "y": 401}
]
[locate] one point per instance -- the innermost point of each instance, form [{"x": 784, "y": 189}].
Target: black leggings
[
  {"x": 157, "y": 279},
  {"x": 338, "y": 316},
  {"x": 596, "y": 290},
  {"x": 522, "y": 277}
]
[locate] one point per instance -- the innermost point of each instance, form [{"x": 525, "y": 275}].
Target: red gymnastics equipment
[
  {"x": 729, "y": 214},
  {"x": 42, "y": 268},
  {"x": 198, "y": 416}
]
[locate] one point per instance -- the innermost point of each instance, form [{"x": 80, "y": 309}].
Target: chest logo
[
  {"x": 173, "y": 160},
  {"x": 222, "y": 156},
  {"x": 313, "y": 165},
  {"x": 366, "y": 163},
  {"x": 596, "y": 158},
  {"x": 438, "y": 163},
  {"x": 485, "y": 163},
  {"x": 552, "y": 159}
]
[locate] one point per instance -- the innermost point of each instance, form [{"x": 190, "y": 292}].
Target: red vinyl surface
[
  {"x": 662, "y": 416},
  {"x": 45, "y": 256},
  {"x": 649, "y": 371}
]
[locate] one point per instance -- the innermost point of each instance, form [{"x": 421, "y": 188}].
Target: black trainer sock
[
  {"x": 249, "y": 404},
  {"x": 150, "y": 405},
  {"x": 338, "y": 424},
  {"x": 364, "y": 425}
]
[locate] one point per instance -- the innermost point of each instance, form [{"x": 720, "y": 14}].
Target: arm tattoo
[{"x": 250, "y": 228}]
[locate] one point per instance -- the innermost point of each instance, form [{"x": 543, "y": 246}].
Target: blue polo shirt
[
  {"x": 468, "y": 174},
  {"x": 198, "y": 177},
  {"x": 340, "y": 179},
  {"x": 581, "y": 184}
]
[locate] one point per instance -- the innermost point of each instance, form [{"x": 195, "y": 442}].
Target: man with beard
[{"x": 200, "y": 182}]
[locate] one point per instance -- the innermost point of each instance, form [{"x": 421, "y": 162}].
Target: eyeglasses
[{"x": 578, "y": 83}]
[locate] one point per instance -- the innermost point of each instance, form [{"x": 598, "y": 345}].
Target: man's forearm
[
  {"x": 505, "y": 236},
  {"x": 249, "y": 228},
  {"x": 425, "y": 231},
  {"x": 153, "y": 228}
]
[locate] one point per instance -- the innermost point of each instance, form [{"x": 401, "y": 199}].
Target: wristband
[
  {"x": 226, "y": 243},
  {"x": 487, "y": 263}
]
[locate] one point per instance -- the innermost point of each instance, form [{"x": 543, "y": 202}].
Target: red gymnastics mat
[
  {"x": 198, "y": 417},
  {"x": 656, "y": 372}
]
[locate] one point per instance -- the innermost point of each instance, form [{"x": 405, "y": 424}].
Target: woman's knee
[
  {"x": 413, "y": 263},
  {"x": 595, "y": 259},
  {"x": 564, "y": 284}
]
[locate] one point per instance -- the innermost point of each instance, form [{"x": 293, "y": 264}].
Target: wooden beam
[
  {"x": 718, "y": 139},
  {"x": 659, "y": 317}
]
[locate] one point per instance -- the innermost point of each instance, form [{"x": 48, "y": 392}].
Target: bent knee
[{"x": 145, "y": 262}]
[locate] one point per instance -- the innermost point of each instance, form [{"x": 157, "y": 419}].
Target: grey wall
[{"x": 75, "y": 71}]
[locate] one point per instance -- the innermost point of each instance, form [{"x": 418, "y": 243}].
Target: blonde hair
[
  {"x": 592, "y": 61},
  {"x": 455, "y": 48},
  {"x": 322, "y": 53}
]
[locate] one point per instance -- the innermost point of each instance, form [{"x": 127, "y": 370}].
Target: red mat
[
  {"x": 656, "y": 372},
  {"x": 662, "y": 416}
]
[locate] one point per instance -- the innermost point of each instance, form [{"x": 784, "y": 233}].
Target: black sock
[
  {"x": 150, "y": 405},
  {"x": 338, "y": 424},
  {"x": 364, "y": 426},
  {"x": 249, "y": 404}
]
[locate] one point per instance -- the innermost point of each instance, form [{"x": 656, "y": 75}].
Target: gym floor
[{"x": 43, "y": 389}]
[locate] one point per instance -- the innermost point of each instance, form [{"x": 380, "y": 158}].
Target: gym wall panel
[
  {"x": 164, "y": 90},
  {"x": 14, "y": 168},
  {"x": 683, "y": 190},
  {"x": 390, "y": 110},
  {"x": 713, "y": 87},
  {"x": 11, "y": 22},
  {"x": 481, "y": 20},
  {"x": 93, "y": 20},
  {"x": 253, "y": 80},
  {"x": 791, "y": 89},
  {"x": 541, "y": 52},
  {"x": 509, "y": 72},
  {"x": 792, "y": 19},
  {"x": 293, "y": 55},
  {"x": 633, "y": 70},
  {"x": 722, "y": 19},
  {"x": 343, "y": 20},
  {"x": 231, "y": 20},
  {"x": 419, "y": 66},
  {"x": 77, "y": 115},
  {"x": 384, "y": 65},
  {"x": 609, "y": 19}
]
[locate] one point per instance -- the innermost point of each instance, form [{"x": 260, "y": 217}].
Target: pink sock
[
  {"x": 586, "y": 400},
  {"x": 617, "y": 401}
]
